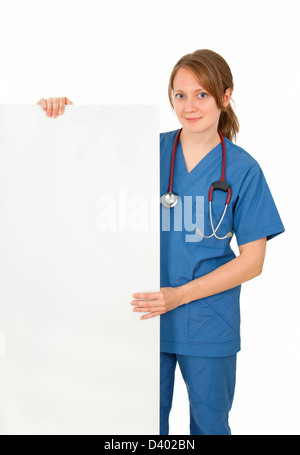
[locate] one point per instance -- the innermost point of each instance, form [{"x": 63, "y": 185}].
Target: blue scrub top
[{"x": 209, "y": 326}]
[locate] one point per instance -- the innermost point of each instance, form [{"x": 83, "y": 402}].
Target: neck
[{"x": 200, "y": 143}]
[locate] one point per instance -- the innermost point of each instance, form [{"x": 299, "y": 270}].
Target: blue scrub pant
[{"x": 210, "y": 383}]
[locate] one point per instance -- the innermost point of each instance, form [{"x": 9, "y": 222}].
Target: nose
[{"x": 190, "y": 105}]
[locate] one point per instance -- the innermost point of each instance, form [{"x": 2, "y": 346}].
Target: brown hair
[{"x": 214, "y": 74}]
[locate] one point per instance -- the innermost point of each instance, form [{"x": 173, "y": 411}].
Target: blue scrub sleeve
[{"x": 255, "y": 212}]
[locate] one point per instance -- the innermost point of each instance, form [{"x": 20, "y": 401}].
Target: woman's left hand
[{"x": 156, "y": 303}]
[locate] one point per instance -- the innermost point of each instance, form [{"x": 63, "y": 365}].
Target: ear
[{"x": 227, "y": 97}]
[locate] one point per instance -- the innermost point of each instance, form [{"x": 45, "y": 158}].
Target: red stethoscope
[{"x": 170, "y": 199}]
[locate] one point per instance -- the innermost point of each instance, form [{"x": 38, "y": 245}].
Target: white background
[{"x": 115, "y": 52}]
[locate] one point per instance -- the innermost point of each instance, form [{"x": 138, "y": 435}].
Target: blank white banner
[{"x": 79, "y": 234}]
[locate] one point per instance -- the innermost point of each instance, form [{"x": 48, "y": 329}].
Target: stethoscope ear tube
[{"x": 214, "y": 230}]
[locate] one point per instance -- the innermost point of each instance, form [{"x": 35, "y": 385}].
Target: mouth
[{"x": 193, "y": 119}]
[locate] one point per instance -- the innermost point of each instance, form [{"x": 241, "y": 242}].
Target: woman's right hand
[{"x": 54, "y": 106}]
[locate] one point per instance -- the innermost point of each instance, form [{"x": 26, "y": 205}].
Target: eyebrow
[{"x": 198, "y": 90}]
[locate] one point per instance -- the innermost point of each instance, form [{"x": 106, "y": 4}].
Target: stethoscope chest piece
[{"x": 169, "y": 199}]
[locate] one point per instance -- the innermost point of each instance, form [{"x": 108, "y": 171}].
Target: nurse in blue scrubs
[
  {"x": 201, "y": 278},
  {"x": 198, "y": 302}
]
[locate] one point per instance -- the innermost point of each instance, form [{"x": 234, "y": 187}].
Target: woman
[{"x": 201, "y": 277}]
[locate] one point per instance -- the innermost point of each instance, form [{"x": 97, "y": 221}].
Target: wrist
[{"x": 182, "y": 297}]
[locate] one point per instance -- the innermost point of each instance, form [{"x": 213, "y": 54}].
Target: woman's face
[{"x": 195, "y": 109}]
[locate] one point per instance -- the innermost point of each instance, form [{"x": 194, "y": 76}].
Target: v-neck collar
[{"x": 188, "y": 179}]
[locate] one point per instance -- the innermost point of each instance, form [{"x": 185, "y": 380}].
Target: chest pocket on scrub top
[{"x": 204, "y": 225}]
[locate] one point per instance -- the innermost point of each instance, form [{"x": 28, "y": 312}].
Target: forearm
[{"x": 229, "y": 275}]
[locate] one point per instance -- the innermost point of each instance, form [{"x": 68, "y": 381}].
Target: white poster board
[{"x": 79, "y": 234}]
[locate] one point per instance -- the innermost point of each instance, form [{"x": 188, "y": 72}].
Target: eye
[
  {"x": 202, "y": 95},
  {"x": 179, "y": 96}
]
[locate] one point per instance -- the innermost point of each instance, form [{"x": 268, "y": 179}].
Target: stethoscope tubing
[
  {"x": 170, "y": 190},
  {"x": 170, "y": 199}
]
